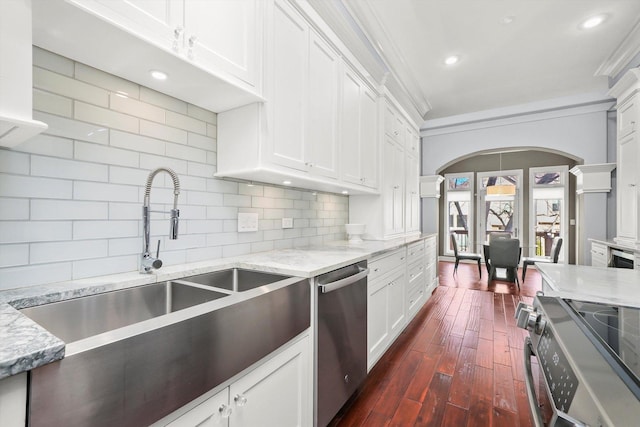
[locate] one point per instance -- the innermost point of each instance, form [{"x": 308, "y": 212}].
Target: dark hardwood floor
[{"x": 458, "y": 363}]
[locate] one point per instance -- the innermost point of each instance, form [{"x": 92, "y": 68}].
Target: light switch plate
[
  {"x": 287, "y": 222},
  {"x": 247, "y": 222}
]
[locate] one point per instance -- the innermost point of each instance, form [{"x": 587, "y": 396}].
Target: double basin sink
[{"x": 136, "y": 355}]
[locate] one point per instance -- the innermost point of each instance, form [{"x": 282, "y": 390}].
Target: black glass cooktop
[{"x": 617, "y": 330}]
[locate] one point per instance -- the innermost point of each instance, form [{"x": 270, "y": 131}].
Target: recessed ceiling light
[
  {"x": 453, "y": 59},
  {"x": 158, "y": 75},
  {"x": 286, "y": 182},
  {"x": 507, "y": 19},
  {"x": 345, "y": 192},
  {"x": 593, "y": 22}
]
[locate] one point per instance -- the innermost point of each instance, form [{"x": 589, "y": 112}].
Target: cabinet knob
[
  {"x": 177, "y": 32},
  {"x": 631, "y": 185},
  {"x": 192, "y": 40},
  {"x": 240, "y": 399},
  {"x": 224, "y": 410}
]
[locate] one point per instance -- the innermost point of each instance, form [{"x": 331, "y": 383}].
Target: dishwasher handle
[{"x": 334, "y": 286}]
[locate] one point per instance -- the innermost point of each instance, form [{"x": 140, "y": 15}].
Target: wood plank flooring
[{"x": 458, "y": 363}]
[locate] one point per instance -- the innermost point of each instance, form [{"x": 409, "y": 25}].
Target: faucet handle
[{"x": 158, "y": 249}]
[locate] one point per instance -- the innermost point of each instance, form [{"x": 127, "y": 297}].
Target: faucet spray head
[{"x": 173, "y": 224}]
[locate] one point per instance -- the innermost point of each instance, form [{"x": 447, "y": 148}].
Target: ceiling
[{"x": 541, "y": 54}]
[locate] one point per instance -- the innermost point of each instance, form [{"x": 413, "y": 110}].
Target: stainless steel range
[{"x": 589, "y": 357}]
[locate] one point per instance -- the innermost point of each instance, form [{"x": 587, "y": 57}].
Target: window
[
  {"x": 548, "y": 208},
  {"x": 459, "y": 208}
]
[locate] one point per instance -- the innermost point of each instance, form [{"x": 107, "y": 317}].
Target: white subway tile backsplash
[
  {"x": 107, "y": 192},
  {"x": 52, "y": 62},
  {"x": 43, "y": 209},
  {"x": 27, "y": 186},
  {"x": 163, "y": 132},
  {"x": 136, "y": 143},
  {"x": 71, "y": 199},
  {"x": 68, "y": 128},
  {"x": 204, "y": 198},
  {"x": 88, "y": 152},
  {"x": 200, "y": 169},
  {"x": 69, "y": 87},
  {"x": 68, "y": 169},
  {"x": 34, "y": 231},
  {"x": 180, "y": 151},
  {"x": 104, "y": 266},
  {"x": 187, "y": 123},
  {"x": 12, "y": 209},
  {"x": 14, "y": 255},
  {"x": 14, "y": 162},
  {"x": 162, "y": 100},
  {"x": 47, "y": 145},
  {"x": 17, "y": 277},
  {"x": 125, "y": 211},
  {"x": 201, "y": 114},
  {"x": 201, "y": 141},
  {"x": 104, "y": 229},
  {"x": 105, "y": 117},
  {"x": 125, "y": 246},
  {"x": 133, "y": 107},
  {"x": 52, "y": 103},
  {"x": 151, "y": 162},
  {"x": 67, "y": 251},
  {"x": 106, "y": 81}
]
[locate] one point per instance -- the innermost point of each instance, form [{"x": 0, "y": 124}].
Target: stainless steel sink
[
  {"x": 235, "y": 279},
  {"x": 79, "y": 318},
  {"x": 136, "y": 355}
]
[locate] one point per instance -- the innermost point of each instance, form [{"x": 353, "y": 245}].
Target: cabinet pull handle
[
  {"x": 631, "y": 185},
  {"x": 177, "y": 33},
  {"x": 240, "y": 399},
  {"x": 224, "y": 410}
]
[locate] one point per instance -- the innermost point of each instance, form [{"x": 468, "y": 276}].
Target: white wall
[{"x": 71, "y": 199}]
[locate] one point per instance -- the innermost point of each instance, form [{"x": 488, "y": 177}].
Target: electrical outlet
[
  {"x": 287, "y": 222},
  {"x": 247, "y": 222}
]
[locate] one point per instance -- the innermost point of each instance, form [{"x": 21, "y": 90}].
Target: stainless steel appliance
[
  {"x": 622, "y": 259},
  {"x": 589, "y": 358},
  {"x": 341, "y": 350}
]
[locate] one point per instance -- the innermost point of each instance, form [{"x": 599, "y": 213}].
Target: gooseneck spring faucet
[{"x": 148, "y": 262}]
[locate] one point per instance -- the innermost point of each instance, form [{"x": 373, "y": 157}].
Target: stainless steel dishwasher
[{"x": 341, "y": 352}]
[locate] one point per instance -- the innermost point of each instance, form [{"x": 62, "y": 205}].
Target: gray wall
[{"x": 514, "y": 160}]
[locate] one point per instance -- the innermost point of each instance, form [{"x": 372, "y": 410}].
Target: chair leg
[
  {"x": 479, "y": 269},
  {"x": 491, "y": 274},
  {"x": 524, "y": 270},
  {"x": 455, "y": 269}
]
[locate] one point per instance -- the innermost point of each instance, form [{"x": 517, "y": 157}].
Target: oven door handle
[
  {"x": 334, "y": 286},
  {"x": 536, "y": 416}
]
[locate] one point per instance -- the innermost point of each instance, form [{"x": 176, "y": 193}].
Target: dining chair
[
  {"x": 464, "y": 255},
  {"x": 505, "y": 253},
  {"x": 552, "y": 258}
]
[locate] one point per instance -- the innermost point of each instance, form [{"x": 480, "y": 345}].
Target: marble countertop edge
[{"x": 26, "y": 345}]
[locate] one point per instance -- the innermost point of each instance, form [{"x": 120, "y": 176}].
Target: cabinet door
[
  {"x": 399, "y": 189},
  {"x": 213, "y": 412},
  {"x": 322, "y": 108},
  {"x": 393, "y": 187},
  {"x": 397, "y": 297},
  {"x": 152, "y": 20},
  {"x": 289, "y": 56},
  {"x": 350, "y": 116},
  {"x": 276, "y": 393},
  {"x": 369, "y": 142},
  {"x": 223, "y": 35},
  {"x": 627, "y": 187},
  {"x": 377, "y": 320},
  {"x": 412, "y": 195}
]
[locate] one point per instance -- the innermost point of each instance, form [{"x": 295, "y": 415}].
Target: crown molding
[{"x": 622, "y": 55}]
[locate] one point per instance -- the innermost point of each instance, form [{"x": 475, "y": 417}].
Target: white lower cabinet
[
  {"x": 13, "y": 401},
  {"x": 386, "y": 313},
  {"x": 274, "y": 393},
  {"x": 599, "y": 255}
]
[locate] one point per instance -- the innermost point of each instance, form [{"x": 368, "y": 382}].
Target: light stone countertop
[
  {"x": 598, "y": 284},
  {"x": 25, "y": 345},
  {"x": 615, "y": 245}
]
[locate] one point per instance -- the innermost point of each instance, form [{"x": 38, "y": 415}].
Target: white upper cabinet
[
  {"x": 298, "y": 134},
  {"x": 412, "y": 194},
  {"x": 211, "y": 50},
  {"x": 359, "y": 131},
  {"x": 223, "y": 35},
  {"x": 288, "y": 51}
]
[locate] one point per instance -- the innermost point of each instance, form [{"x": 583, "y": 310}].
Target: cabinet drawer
[
  {"x": 385, "y": 263},
  {"x": 416, "y": 273},
  {"x": 415, "y": 297},
  {"x": 627, "y": 116},
  {"x": 599, "y": 255},
  {"x": 415, "y": 252}
]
